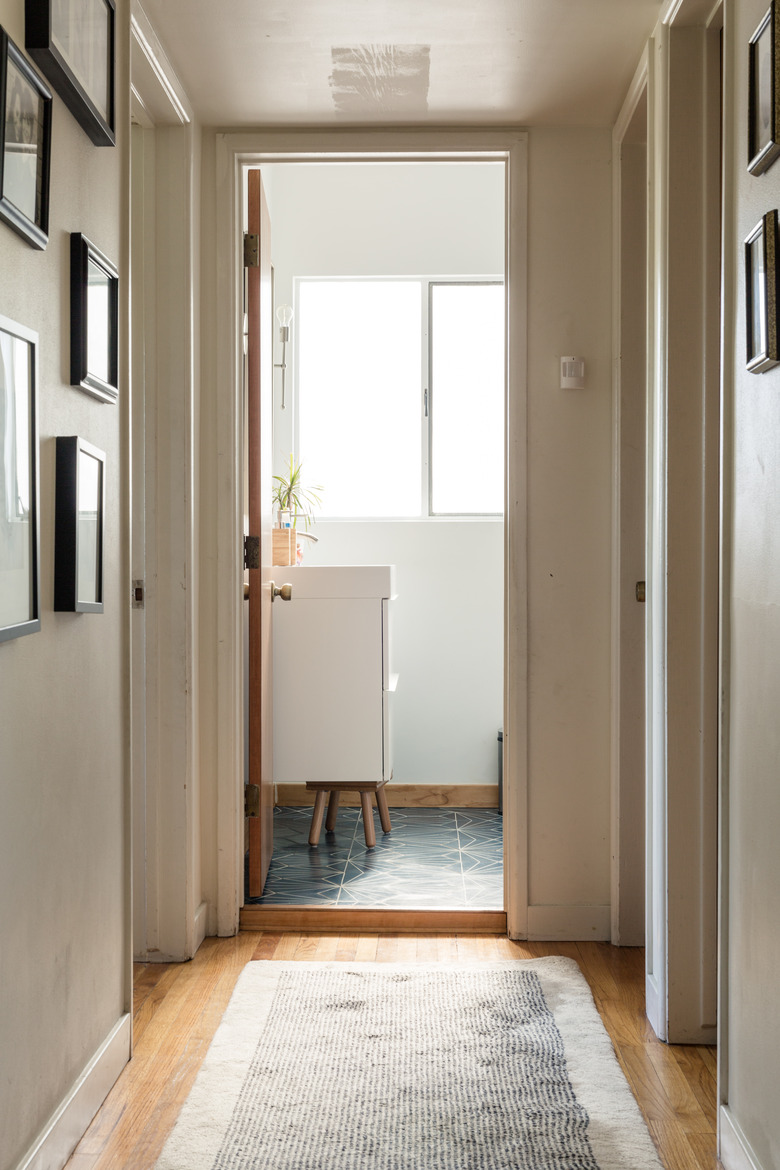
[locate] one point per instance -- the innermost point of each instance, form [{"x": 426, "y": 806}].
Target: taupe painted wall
[
  {"x": 63, "y": 927},
  {"x": 752, "y": 959},
  {"x": 569, "y": 500}
]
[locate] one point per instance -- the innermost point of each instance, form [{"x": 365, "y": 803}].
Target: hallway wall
[
  {"x": 64, "y": 956},
  {"x": 750, "y": 1025}
]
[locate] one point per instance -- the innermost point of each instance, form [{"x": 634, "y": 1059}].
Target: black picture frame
[
  {"x": 94, "y": 320},
  {"x": 25, "y": 145},
  {"x": 764, "y": 93},
  {"x": 80, "y": 511},
  {"x": 74, "y": 43},
  {"x": 19, "y": 485},
  {"x": 761, "y": 273}
]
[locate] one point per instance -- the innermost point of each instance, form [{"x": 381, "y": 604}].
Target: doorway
[
  {"x": 512, "y": 153},
  {"x": 389, "y": 398}
]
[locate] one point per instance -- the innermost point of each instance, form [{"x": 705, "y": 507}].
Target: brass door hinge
[
  {"x": 251, "y": 250},
  {"x": 251, "y": 800},
  {"x": 251, "y": 552}
]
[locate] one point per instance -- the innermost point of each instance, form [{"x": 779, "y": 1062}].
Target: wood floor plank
[
  {"x": 366, "y": 948},
  {"x": 266, "y": 946},
  {"x": 307, "y": 948},
  {"x": 446, "y": 949},
  {"x": 673, "y": 1145},
  {"x": 704, "y": 1151},
  {"x": 287, "y": 946},
  {"x": 698, "y": 1075},
  {"x": 178, "y": 1008},
  {"x": 677, "y": 1090},
  {"x": 327, "y": 946},
  {"x": 387, "y": 948},
  {"x": 347, "y": 947},
  {"x": 406, "y": 948}
]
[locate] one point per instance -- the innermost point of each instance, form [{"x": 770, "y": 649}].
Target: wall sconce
[{"x": 284, "y": 316}]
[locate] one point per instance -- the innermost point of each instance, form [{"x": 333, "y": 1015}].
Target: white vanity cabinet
[{"x": 332, "y": 680}]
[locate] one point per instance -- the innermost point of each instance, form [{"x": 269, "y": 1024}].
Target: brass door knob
[{"x": 283, "y": 591}]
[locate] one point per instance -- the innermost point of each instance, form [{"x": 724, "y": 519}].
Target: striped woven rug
[{"x": 375, "y": 1066}]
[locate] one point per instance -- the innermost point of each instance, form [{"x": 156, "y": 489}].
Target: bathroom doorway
[
  {"x": 235, "y": 154},
  {"x": 390, "y": 395}
]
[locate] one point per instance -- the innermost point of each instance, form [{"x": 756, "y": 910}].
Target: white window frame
[{"x": 427, "y": 284}]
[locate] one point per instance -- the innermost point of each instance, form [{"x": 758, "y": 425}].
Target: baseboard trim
[
  {"x": 569, "y": 923},
  {"x": 324, "y": 920},
  {"x": 734, "y": 1150},
  {"x": 200, "y": 925},
  {"x": 404, "y": 796},
  {"x": 68, "y": 1124}
]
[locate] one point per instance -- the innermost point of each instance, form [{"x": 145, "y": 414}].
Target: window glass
[
  {"x": 359, "y": 395},
  {"x": 467, "y": 398}
]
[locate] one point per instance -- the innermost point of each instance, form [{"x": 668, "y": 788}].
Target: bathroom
[{"x": 412, "y": 233}]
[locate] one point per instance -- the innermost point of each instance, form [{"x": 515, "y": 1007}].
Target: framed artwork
[
  {"x": 78, "y": 527},
  {"x": 25, "y": 145},
  {"x": 73, "y": 43},
  {"x": 94, "y": 320},
  {"x": 19, "y": 495},
  {"x": 761, "y": 295},
  {"x": 764, "y": 94}
]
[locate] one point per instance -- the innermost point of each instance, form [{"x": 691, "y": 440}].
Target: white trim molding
[
  {"x": 734, "y": 1150},
  {"x": 234, "y": 153},
  {"x": 66, "y": 1126}
]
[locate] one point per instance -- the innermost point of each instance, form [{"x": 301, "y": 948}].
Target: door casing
[{"x": 235, "y": 153}]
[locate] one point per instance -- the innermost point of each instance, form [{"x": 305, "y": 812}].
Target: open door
[{"x": 258, "y": 445}]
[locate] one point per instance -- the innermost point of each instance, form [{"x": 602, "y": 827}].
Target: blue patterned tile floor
[{"x": 433, "y": 859}]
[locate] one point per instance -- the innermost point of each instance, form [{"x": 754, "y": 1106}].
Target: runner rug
[{"x": 375, "y": 1066}]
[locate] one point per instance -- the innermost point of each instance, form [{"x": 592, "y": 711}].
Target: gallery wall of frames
[{"x": 68, "y": 55}]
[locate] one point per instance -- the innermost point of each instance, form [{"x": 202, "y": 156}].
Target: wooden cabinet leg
[
  {"x": 316, "y": 820},
  {"x": 333, "y": 808},
  {"x": 368, "y": 819},
  {"x": 384, "y": 811}
]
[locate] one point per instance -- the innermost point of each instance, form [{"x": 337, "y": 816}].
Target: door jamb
[
  {"x": 234, "y": 151},
  {"x": 640, "y": 89}
]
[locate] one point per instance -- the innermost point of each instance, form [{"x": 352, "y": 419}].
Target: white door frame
[
  {"x": 681, "y": 680},
  {"x": 234, "y": 152},
  {"x": 629, "y": 405},
  {"x": 169, "y": 918}
]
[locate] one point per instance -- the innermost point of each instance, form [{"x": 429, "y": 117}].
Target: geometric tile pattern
[{"x": 434, "y": 859}]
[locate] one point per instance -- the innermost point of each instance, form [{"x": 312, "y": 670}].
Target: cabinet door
[{"x": 328, "y": 718}]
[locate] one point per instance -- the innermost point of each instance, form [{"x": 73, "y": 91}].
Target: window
[{"x": 400, "y": 396}]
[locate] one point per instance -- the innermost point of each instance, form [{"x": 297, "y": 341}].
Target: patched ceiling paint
[
  {"x": 380, "y": 78},
  {"x": 404, "y": 62}
]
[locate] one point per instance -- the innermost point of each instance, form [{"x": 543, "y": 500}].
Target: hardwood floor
[{"x": 178, "y": 1007}]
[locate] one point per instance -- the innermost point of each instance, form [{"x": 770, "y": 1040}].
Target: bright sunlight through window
[
  {"x": 467, "y": 398},
  {"x": 359, "y": 395},
  {"x": 368, "y": 431}
]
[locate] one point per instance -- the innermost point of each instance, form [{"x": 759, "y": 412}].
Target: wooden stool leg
[
  {"x": 384, "y": 811},
  {"x": 333, "y": 808},
  {"x": 368, "y": 819},
  {"x": 316, "y": 820}
]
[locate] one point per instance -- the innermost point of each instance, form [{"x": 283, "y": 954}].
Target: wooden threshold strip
[{"x": 327, "y": 920}]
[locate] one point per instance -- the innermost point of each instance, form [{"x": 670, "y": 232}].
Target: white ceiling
[{"x": 404, "y": 62}]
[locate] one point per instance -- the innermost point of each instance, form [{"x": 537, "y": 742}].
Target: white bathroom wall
[{"x": 385, "y": 219}]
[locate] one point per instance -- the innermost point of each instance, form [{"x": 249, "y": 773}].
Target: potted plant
[{"x": 292, "y": 502}]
